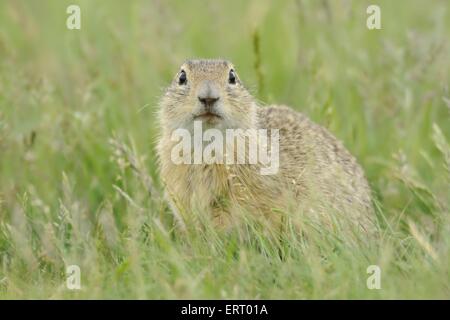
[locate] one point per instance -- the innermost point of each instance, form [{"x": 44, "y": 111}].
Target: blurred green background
[{"x": 77, "y": 107}]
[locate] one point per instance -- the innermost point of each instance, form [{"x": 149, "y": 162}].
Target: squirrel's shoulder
[
  {"x": 298, "y": 133},
  {"x": 281, "y": 116}
]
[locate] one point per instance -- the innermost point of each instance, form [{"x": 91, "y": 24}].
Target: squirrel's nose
[{"x": 208, "y": 101}]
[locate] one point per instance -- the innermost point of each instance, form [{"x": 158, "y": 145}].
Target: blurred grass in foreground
[{"x": 78, "y": 127}]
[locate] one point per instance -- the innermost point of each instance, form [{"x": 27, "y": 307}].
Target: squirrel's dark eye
[
  {"x": 182, "y": 79},
  {"x": 232, "y": 77}
]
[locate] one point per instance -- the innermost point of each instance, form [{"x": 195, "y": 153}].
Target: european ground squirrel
[{"x": 316, "y": 175}]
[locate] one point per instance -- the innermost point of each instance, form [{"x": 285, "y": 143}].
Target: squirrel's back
[{"x": 316, "y": 164}]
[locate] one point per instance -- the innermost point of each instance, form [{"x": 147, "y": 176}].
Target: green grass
[{"x": 78, "y": 175}]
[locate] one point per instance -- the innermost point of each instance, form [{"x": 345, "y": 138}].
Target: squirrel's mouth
[{"x": 207, "y": 116}]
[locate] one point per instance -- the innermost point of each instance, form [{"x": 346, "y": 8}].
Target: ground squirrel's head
[{"x": 209, "y": 91}]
